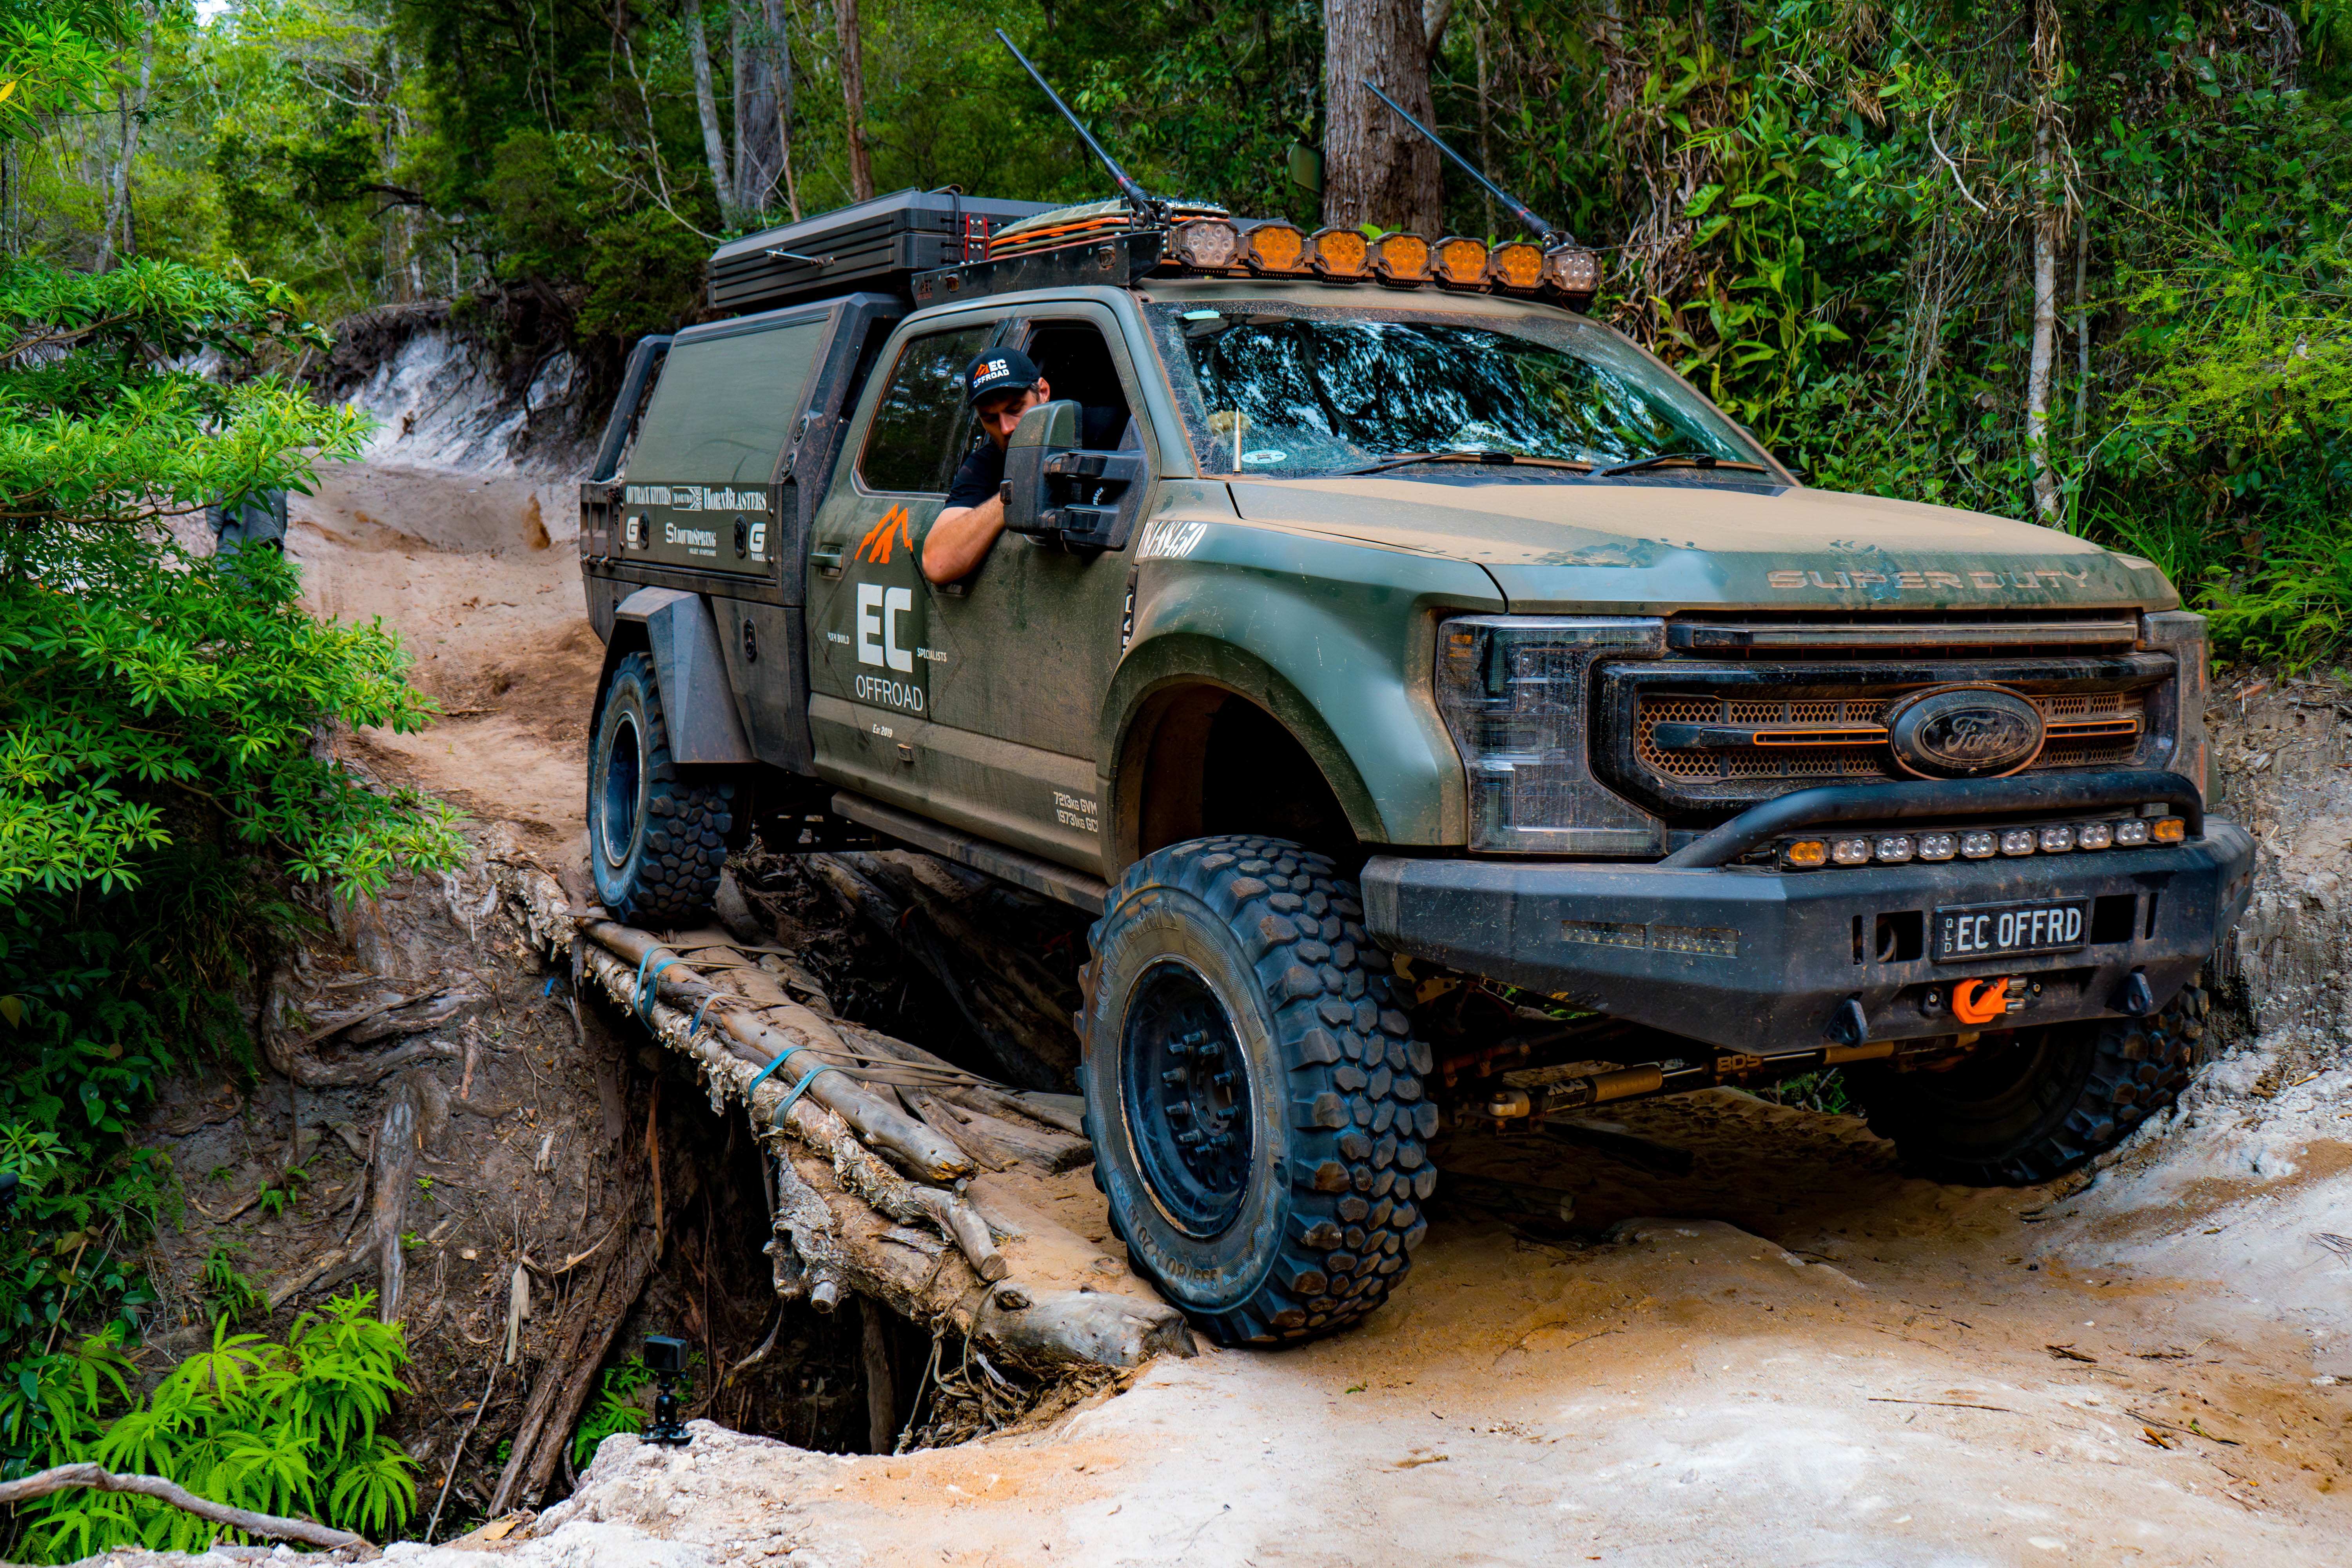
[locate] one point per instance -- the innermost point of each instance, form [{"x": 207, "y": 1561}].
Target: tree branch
[{"x": 57, "y": 1480}]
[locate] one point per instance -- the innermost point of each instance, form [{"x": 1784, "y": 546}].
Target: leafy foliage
[
  {"x": 284, "y": 1428},
  {"x": 616, "y": 1410}
]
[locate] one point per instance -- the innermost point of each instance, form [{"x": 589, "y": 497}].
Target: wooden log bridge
[{"x": 876, "y": 1146}]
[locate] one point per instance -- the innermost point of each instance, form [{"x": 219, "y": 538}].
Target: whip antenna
[
  {"x": 1519, "y": 209},
  {"x": 1136, "y": 196}
]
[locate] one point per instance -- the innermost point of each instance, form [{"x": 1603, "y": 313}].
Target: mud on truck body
[{"x": 1419, "y": 638}]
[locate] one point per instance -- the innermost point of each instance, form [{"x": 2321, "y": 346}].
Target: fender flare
[
  {"x": 681, "y": 632},
  {"x": 1181, "y": 659}
]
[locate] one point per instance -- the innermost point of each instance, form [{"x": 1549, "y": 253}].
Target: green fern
[
  {"x": 616, "y": 1411},
  {"x": 286, "y": 1428}
]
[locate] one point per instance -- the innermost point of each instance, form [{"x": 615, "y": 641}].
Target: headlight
[
  {"x": 2180, "y": 741},
  {"x": 1516, "y": 691}
]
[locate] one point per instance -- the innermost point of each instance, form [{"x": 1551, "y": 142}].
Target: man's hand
[{"x": 959, "y": 539}]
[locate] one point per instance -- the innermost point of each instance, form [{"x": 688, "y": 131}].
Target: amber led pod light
[
  {"x": 1462, "y": 261},
  {"x": 1340, "y": 253},
  {"x": 1517, "y": 265},
  {"x": 1205, "y": 245},
  {"x": 1401, "y": 258},
  {"x": 1275, "y": 247},
  {"x": 1572, "y": 269}
]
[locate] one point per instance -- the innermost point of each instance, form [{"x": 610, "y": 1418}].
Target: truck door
[
  {"x": 1049, "y": 617},
  {"x": 876, "y": 677}
]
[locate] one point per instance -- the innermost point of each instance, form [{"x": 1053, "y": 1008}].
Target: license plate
[{"x": 1997, "y": 931}]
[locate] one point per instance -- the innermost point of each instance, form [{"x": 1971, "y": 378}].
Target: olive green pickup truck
[{"x": 1416, "y": 626}]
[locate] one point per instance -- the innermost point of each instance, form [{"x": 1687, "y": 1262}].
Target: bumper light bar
[{"x": 2057, "y": 838}]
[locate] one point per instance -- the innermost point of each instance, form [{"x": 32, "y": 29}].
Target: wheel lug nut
[
  {"x": 1173, "y": 1075},
  {"x": 1180, "y": 1112},
  {"x": 1192, "y": 1139},
  {"x": 1221, "y": 1078}
]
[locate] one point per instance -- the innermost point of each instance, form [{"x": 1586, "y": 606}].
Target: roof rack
[{"x": 880, "y": 243}]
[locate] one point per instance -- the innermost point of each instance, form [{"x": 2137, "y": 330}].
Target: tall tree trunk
[
  {"x": 2081, "y": 325},
  {"x": 853, "y": 98},
  {"x": 706, "y": 102},
  {"x": 762, "y": 79},
  {"x": 130, "y": 108},
  {"x": 1376, "y": 168},
  {"x": 776, "y": 19},
  {"x": 2049, "y": 235}
]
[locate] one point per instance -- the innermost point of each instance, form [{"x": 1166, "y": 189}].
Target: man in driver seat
[{"x": 1002, "y": 385}]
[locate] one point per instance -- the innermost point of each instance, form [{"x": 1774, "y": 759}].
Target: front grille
[
  {"x": 1693, "y": 739},
  {"x": 1842, "y": 739}
]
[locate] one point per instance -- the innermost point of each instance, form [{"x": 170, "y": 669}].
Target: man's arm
[{"x": 959, "y": 539}]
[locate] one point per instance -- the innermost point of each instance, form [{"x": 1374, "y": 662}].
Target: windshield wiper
[
  {"x": 1498, "y": 460},
  {"x": 1696, "y": 459}
]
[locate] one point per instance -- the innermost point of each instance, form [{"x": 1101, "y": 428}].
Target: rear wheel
[
  {"x": 1254, "y": 1090},
  {"x": 2028, "y": 1108},
  {"x": 657, "y": 837}
]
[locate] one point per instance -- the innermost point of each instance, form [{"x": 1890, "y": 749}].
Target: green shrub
[
  {"x": 616, "y": 1410},
  {"x": 291, "y": 1429}
]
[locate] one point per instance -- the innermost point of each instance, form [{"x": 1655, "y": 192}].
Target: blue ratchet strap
[
  {"x": 644, "y": 986},
  {"x": 695, "y": 1022},
  {"x": 797, "y": 1091}
]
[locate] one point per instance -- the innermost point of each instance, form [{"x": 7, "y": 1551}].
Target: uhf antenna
[
  {"x": 1519, "y": 209},
  {"x": 1145, "y": 208}
]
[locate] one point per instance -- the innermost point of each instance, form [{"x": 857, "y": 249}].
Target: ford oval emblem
[{"x": 1964, "y": 732}]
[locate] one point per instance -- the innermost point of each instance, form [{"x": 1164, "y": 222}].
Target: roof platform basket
[{"x": 878, "y": 245}]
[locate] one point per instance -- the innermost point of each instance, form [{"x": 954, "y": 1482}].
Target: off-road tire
[
  {"x": 1328, "y": 1194},
  {"x": 658, "y": 836},
  {"x": 2031, "y": 1109}
]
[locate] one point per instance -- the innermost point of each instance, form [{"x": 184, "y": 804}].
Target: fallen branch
[
  {"x": 56, "y": 1479},
  {"x": 884, "y": 1126}
]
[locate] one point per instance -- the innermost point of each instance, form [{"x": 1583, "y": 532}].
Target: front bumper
[{"x": 1761, "y": 961}]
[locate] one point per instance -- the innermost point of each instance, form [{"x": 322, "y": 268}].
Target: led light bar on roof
[
  {"x": 1401, "y": 258},
  {"x": 1274, "y": 247},
  {"x": 1341, "y": 253},
  {"x": 1461, "y": 261}
]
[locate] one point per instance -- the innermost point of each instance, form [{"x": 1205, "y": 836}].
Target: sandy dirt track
[{"x": 1789, "y": 1355}]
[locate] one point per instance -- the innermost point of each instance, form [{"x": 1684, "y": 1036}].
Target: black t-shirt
[{"x": 983, "y": 473}]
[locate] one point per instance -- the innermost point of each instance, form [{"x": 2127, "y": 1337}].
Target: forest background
[{"x": 2081, "y": 261}]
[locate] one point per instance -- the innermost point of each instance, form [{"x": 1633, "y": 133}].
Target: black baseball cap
[{"x": 1000, "y": 370}]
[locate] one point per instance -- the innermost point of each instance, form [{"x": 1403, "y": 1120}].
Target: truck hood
[{"x": 1651, "y": 547}]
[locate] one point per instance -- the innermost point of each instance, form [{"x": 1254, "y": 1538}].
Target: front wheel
[
  {"x": 1254, "y": 1090},
  {"x": 2030, "y": 1105},
  {"x": 657, "y": 837}
]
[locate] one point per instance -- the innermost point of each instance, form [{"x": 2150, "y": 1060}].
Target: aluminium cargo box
[{"x": 878, "y": 245}]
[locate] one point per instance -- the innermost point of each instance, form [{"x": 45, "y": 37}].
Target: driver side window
[{"x": 922, "y": 429}]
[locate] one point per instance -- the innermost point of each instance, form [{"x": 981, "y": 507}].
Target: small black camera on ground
[{"x": 665, "y": 1359}]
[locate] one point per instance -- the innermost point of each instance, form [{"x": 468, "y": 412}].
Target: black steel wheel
[
  {"x": 1187, "y": 1099},
  {"x": 2030, "y": 1104},
  {"x": 1254, "y": 1090},
  {"x": 657, "y": 838}
]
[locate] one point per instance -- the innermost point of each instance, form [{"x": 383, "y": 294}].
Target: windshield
[{"x": 1289, "y": 391}]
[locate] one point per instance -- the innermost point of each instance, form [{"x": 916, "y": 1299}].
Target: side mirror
[{"x": 1045, "y": 429}]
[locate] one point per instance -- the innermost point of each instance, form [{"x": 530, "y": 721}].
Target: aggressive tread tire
[
  {"x": 1340, "y": 1171},
  {"x": 2052, "y": 1099},
  {"x": 657, "y": 837}
]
